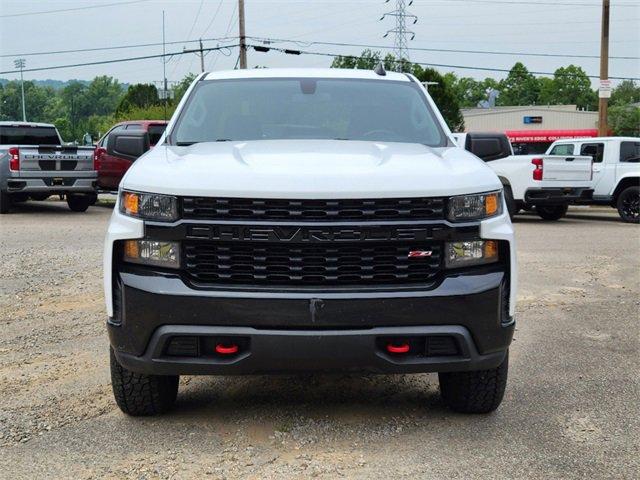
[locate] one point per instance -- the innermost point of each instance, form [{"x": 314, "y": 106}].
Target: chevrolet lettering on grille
[{"x": 309, "y": 234}]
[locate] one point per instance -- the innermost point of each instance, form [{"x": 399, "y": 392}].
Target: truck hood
[{"x": 309, "y": 169}]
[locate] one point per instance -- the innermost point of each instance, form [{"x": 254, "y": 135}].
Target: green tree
[
  {"x": 182, "y": 86},
  {"x": 37, "y": 101},
  {"x": 624, "y": 120},
  {"x": 519, "y": 87},
  {"x": 74, "y": 104},
  {"x": 368, "y": 60},
  {"x": 140, "y": 95},
  {"x": 469, "y": 91},
  {"x": 443, "y": 96},
  {"x": 626, "y": 93},
  {"x": 570, "y": 86},
  {"x": 103, "y": 95}
]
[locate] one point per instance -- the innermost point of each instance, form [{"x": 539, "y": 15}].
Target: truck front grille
[
  {"x": 335, "y": 264},
  {"x": 313, "y": 210}
]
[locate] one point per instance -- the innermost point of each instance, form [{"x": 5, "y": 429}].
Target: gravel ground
[{"x": 571, "y": 408}]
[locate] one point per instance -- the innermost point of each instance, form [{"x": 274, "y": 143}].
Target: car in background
[
  {"x": 111, "y": 168},
  {"x": 616, "y": 171},
  {"x": 549, "y": 183}
]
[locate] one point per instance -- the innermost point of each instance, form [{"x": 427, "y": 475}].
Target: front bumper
[
  {"x": 290, "y": 351},
  {"x": 283, "y": 332},
  {"x": 557, "y": 196}
]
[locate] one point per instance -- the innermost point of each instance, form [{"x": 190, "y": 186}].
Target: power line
[
  {"x": 195, "y": 20},
  {"x": 229, "y": 25},
  {"x": 117, "y": 60},
  {"x": 262, "y": 48},
  {"x": 212, "y": 19},
  {"x": 117, "y": 47},
  {"x": 42, "y": 12},
  {"x": 528, "y": 3},
  {"x": 448, "y": 50}
]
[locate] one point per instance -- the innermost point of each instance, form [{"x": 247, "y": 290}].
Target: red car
[{"x": 111, "y": 169}]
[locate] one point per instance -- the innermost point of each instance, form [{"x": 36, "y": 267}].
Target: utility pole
[
  {"x": 604, "y": 92},
  {"x": 199, "y": 52},
  {"x": 20, "y": 64},
  {"x": 243, "y": 39},
  {"x": 164, "y": 68},
  {"x": 201, "y": 58},
  {"x": 400, "y": 47}
]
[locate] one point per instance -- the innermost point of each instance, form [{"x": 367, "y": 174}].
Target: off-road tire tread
[
  {"x": 139, "y": 394},
  {"x": 478, "y": 391}
]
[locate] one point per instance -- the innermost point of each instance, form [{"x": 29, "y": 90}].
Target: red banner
[{"x": 546, "y": 136}]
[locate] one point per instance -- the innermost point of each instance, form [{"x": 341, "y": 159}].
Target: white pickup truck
[
  {"x": 296, "y": 220},
  {"x": 616, "y": 171},
  {"x": 35, "y": 164},
  {"x": 549, "y": 183}
]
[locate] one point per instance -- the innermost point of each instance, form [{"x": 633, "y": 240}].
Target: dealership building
[{"x": 532, "y": 129}]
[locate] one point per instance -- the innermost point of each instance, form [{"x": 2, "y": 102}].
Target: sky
[{"x": 514, "y": 27}]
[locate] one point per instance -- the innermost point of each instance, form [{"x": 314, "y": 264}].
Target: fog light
[
  {"x": 477, "y": 252},
  {"x": 151, "y": 252}
]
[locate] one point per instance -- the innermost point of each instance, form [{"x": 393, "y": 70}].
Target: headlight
[
  {"x": 465, "y": 254},
  {"x": 149, "y": 206},
  {"x": 151, "y": 252},
  {"x": 475, "y": 207}
]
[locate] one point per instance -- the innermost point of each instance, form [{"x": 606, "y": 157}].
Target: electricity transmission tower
[
  {"x": 400, "y": 47},
  {"x": 20, "y": 63}
]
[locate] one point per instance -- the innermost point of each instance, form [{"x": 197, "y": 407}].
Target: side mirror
[
  {"x": 128, "y": 145},
  {"x": 490, "y": 147}
]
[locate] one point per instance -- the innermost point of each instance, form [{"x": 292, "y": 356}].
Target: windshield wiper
[{"x": 187, "y": 144}]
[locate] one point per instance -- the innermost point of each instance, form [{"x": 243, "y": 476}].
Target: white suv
[{"x": 307, "y": 220}]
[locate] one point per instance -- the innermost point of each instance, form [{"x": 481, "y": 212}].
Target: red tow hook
[
  {"x": 401, "y": 348},
  {"x": 226, "y": 349}
]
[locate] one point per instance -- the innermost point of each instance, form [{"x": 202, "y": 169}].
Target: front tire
[
  {"x": 138, "y": 394},
  {"x": 551, "y": 212},
  {"x": 628, "y": 205},
  {"x": 79, "y": 203},
  {"x": 5, "y": 202},
  {"x": 478, "y": 391}
]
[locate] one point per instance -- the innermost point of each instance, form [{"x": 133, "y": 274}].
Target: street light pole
[{"x": 20, "y": 64}]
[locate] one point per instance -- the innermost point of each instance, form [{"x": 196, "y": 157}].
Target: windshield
[
  {"x": 24, "y": 135},
  {"x": 307, "y": 108}
]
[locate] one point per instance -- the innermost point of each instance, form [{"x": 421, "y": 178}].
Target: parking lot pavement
[{"x": 571, "y": 408}]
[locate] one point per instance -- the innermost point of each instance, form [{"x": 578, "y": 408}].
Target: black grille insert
[
  {"x": 329, "y": 210},
  {"x": 335, "y": 264}
]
